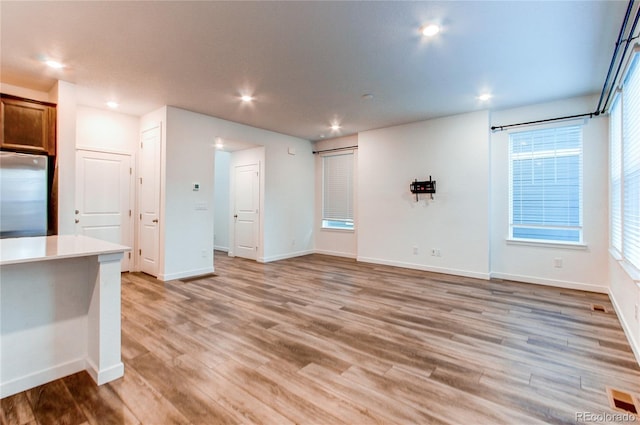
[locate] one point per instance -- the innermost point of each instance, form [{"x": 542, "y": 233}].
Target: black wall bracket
[{"x": 427, "y": 186}]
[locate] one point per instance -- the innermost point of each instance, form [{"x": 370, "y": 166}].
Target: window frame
[
  {"x": 338, "y": 224},
  {"x": 579, "y": 152}
]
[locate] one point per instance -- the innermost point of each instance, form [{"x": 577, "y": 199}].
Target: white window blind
[
  {"x": 615, "y": 170},
  {"x": 631, "y": 166},
  {"x": 337, "y": 201},
  {"x": 546, "y": 184}
]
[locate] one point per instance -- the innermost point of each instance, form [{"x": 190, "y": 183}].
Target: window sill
[
  {"x": 336, "y": 229},
  {"x": 548, "y": 244},
  {"x": 632, "y": 271}
]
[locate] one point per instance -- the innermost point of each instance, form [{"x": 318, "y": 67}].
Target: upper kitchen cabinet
[{"x": 27, "y": 125}]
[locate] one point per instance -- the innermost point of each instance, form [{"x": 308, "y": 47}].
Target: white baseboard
[
  {"x": 284, "y": 256},
  {"x": 32, "y": 380},
  {"x": 106, "y": 375},
  {"x": 552, "y": 282},
  {"x": 444, "y": 270},
  {"x": 189, "y": 273},
  {"x": 335, "y": 253},
  {"x": 634, "y": 343},
  {"x": 221, "y": 248}
]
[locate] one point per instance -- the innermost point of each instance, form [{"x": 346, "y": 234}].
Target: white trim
[
  {"x": 633, "y": 342},
  {"x": 105, "y": 150},
  {"x": 547, "y": 244},
  {"x": 284, "y": 256},
  {"x": 552, "y": 282},
  {"x": 221, "y": 248},
  {"x": 444, "y": 270},
  {"x": 336, "y": 229},
  {"x": 41, "y": 377},
  {"x": 106, "y": 375},
  {"x": 335, "y": 253},
  {"x": 189, "y": 273}
]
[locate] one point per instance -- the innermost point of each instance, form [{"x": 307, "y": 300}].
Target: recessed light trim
[
  {"x": 246, "y": 98},
  {"x": 112, "y": 104},
  {"x": 484, "y": 97},
  {"x": 430, "y": 30},
  {"x": 54, "y": 64},
  {"x": 335, "y": 127}
]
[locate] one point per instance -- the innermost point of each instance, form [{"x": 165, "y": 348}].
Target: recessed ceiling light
[
  {"x": 367, "y": 96},
  {"x": 335, "y": 127},
  {"x": 246, "y": 98},
  {"x": 484, "y": 97},
  {"x": 430, "y": 30},
  {"x": 219, "y": 144},
  {"x": 54, "y": 64},
  {"x": 113, "y": 105}
]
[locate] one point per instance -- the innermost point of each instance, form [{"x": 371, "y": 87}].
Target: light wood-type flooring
[{"x": 324, "y": 340}]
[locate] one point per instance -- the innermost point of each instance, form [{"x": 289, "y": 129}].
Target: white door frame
[
  {"x": 239, "y": 158},
  {"x": 132, "y": 196}
]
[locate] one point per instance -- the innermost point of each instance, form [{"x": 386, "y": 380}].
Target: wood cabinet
[{"x": 27, "y": 125}]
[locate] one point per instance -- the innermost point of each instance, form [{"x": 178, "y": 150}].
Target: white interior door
[
  {"x": 246, "y": 197},
  {"x": 149, "y": 201},
  {"x": 103, "y": 198}
]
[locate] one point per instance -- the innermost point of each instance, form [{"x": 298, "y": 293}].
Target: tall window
[
  {"x": 615, "y": 171},
  {"x": 545, "y": 195},
  {"x": 337, "y": 191},
  {"x": 630, "y": 154}
]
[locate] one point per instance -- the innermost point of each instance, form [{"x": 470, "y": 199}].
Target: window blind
[
  {"x": 615, "y": 170},
  {"x": 546, "y": 184},
  {"x": 337, "y": 204},
  {"x": 631, "y": 166}
]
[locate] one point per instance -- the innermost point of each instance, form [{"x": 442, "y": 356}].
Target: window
[
  {"x": 615, "y": 177},
  {"x": 337, "y": 191},
  {"x": 630, "y": 153},
  {"x": 545, "y": 195}
]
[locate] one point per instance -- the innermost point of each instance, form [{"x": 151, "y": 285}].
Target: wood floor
[{"x": 323, "y": 340}]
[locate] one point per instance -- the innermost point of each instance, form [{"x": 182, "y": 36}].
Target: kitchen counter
[{"x": 59, "y": 310}]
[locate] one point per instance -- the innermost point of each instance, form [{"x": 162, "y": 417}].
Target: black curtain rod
[
  {"x": 568, "y": 117},
  {"x": 337, "y": 149},
  {"x": 605, "y": 87}
]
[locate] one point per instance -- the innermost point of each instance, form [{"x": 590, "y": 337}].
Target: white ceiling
[{"x": 308, "y": 63}]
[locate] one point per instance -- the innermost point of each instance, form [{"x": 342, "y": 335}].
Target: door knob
[
  {"x": 77, "y": 212},
  {"x": 235, "y": 216},
  {"x": 155, "y": 220},
  {"x": 77, "y": 221}
]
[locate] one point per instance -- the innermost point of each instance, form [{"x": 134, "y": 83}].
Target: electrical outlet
[
  {"x": 557, "y": 262},
  {"x": 438, "y": 253},
  {"x": 433, "y": 252},
  {"x": 204, "y": 253},
  {"x": 415, "y": 250},
  {"x": 635, "y": 311}
]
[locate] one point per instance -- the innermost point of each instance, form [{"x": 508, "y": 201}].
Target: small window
[
  {"x": 545, "y": 191},
  {"x": 337, "y": 191}
]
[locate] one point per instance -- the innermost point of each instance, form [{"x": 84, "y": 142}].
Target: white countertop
[{"x": 43, "y": 248}]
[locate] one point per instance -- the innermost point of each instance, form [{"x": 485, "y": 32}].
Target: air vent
[
  {"x": 598, "y": 307},
  {"x": 622, "y": 401}
]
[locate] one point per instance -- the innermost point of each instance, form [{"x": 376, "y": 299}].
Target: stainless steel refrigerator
[{"x": 23, "y": 195}]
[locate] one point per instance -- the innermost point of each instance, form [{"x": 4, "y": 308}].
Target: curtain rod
[
  {"x": 337, "y": 149},
  {"x": 568, "y": 117}
]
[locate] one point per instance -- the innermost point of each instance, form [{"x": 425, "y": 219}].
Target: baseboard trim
[
  {"x": 444, "y": 270},
  {"x": 633, "y": 342},
  {"x": 221, "y": 248},
  {"x": 106, "y": 375},
  {"x": 41, "y": 377},
  {"x": 552, "y": 282},
  {"x": 284, "y": 256},
  {"x": 335, "y": 253},
  {"x": 189, "y": 273}
]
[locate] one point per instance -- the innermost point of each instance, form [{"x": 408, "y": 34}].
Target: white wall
[
  {"x": 342, "y": 243},
  {"x": 582, "y": 268},
  {"x": 107, "y": 131},
  {"x": 64, "y": 94},
  {"x": 188, "y": 214},
  {"x": 221, "y": 201},
  {"x": 625, "y": 296},
  {"x": 455, "y": 152}
]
